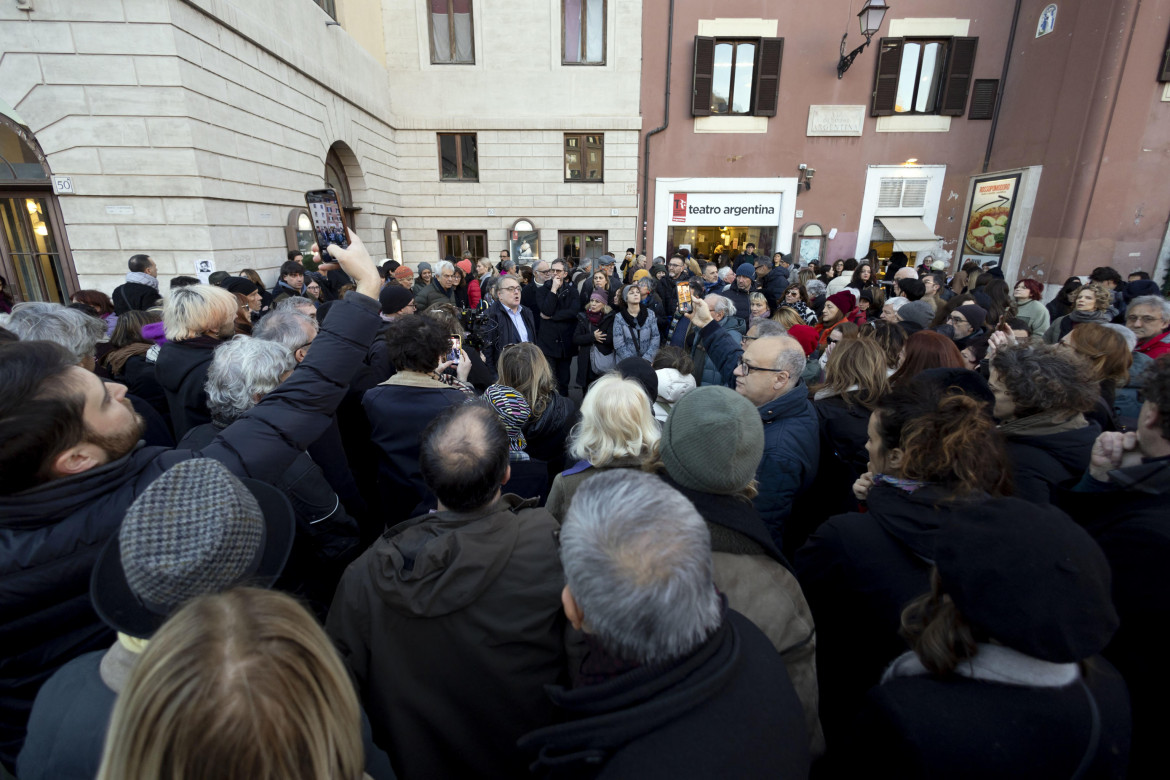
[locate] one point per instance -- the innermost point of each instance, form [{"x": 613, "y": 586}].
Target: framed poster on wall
[
  {"x": 989, "y": 219},
  {"x": 809, "y": 243}
]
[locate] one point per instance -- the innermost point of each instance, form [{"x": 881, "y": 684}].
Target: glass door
[
  {"x": 455, "y": 243},
  {"x": 583, "y": 246},
  {"x": 30, "y": 247}
]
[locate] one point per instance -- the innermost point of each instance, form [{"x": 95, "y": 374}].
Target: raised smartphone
[
  {"x": 328, "y": 220},
  {"x": 684, "y": 297},
  {"x": 454, "y": 350}
]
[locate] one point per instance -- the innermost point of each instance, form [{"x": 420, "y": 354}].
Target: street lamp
[{"x": 870, "y": 17}]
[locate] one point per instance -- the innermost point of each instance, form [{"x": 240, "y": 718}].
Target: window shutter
[
  {"x": 768, "y": 76},
  {"x": 983, "y": 99},
  {"x": 885, "y": 82},
  {"x": 958, "y": 82},
  {"x": 704, "y": 74},
  {"x": 1164, "y": 74}
]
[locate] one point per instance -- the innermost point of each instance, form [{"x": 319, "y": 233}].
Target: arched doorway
[
  {"x": 342, "y": 168},
  {"x": 34, "y": 254}
]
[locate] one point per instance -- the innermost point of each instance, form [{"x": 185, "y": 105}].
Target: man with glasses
[
  {"x": 541, "y": 273},
  {"x": 508, "y": 321},
  {"x": 676, "y": 271},
  {"x": 558, "y": 304},
  {"x": 441, "y": 289},
  {"x": 767, "y": 371},
  {"x": 1149, "y": 319},
  {"x": 504, "y": 255}
]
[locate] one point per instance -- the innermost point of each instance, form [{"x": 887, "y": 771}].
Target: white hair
[
  {"x": 791, "y": 357},
  {"x": 298, "y": 304},
  {"x": 442, "y": 267},
  {"x": 192, "y": 311},
  {"x": 726, "y": 273},
  {"x": 637, "y": 559},
  {"x": 718, "y": 303},
  {"x": 285, "y": 327},
  {"x": 1127, "y": 334},
  {"x": 616, "y": 422},
  {"x": 242, "y": 372},
  {"x": 897, "y": 302},
  {"x": 72, "y": 329},
  {"x": 1157, "y": 301}
]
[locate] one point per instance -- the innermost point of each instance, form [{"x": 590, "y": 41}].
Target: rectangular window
[
  {"x": 458, "y": 157},
  {"x": 583, "y": 22},
  {"x": 452, "y": 41},
  {"x": 923, "y": 76},
  {"x": 456, "y": 242},
  {"x": 736, "y": 77},
  {"x": 584, "y": 157},
  {"x": 328, "y": 7},
  {"x": 583, "y": 245}
]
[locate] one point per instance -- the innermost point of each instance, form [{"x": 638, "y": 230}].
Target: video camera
[{"x": 476, "y": 324}]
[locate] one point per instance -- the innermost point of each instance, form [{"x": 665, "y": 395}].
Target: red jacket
[{"x": 1155, "y": 346}]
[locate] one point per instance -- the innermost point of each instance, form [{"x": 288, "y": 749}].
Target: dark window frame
[
  {"x": 765, "y": 83},
  {"x": 735, "y": 42},
  {"x": 584, "y": 30},
  {"x": 582, "y": 147},
  {"x": 463, "y": 243},
  {"x": 941, "y": 87},
  {"x": 955, "y": 80},
  {"x": 563, "y": 234},
  {"x": 329, "y": 7},
  {"x": 451, "y": 33},
  {"x": 460, "y": 178}
]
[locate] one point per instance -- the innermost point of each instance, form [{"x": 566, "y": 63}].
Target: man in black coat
[
  {"x": 72, "y": 464},
  {"x": 541, "y": 273},
  {"x": 673, "y": 683},
  {"x": 558, "y": 304},
  {"x": 772, "y": 279},
  {"x": 508, "y": 321},
  {"x": 676, "y": 271},
  {"x": 140, "y": 292}
]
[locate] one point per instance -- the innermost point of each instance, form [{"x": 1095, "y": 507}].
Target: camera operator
[{"x": 507, "y": 321}]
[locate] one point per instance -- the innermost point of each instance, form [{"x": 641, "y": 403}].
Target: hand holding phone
[
  {"x": 329, "y": 225},
  {"x": 684, "y": 297}
]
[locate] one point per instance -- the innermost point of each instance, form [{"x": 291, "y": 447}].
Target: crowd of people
[{"x": 780, "y": 521}]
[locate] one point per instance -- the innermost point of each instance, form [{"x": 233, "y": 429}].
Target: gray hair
[
  {"x": 791, "y": 357},
  {"x": 726, "y": 273},
  {"x": 298, "y": 304},
  {"x": 1157, "y": 301},
  {"x": 509, "y": 265},
  {"x": 764, "y": 328},
  {"x": 717, "y": 303},
  {"x": 637, "y": 559},
  {"x": 1046, "y": 377},
  {"x": 1127, "y": 334},
  {"x": 815, "y": 287},
  {"x": 242, "y": 371},
  {"x": 284, "y": 327},
  {"x": 897, "y": 302},
  {"x": 442, "y": 267},
  {"x": 74, "y": 330}
]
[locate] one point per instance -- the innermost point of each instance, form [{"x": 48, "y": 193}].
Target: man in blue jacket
[
  {"x": 767, "y": 373},
  {"x": 72, "y": 464}
]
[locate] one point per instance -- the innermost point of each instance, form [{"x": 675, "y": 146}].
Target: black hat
[
  {"x": 1031, "y": 579},
  {"x": 642, "y": 372},
  {"x": 241, "y": 285},
  {"x": 394, "y": 298},
  {"x": 195, "y": 530}
]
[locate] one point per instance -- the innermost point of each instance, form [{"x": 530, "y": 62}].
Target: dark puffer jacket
[
  {"x": 51, "y": 534},
  {"x": 1039, "y": 463},
  {"x": 182, "y": 371}
]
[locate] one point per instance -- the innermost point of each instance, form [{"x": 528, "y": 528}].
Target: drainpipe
[
  {"x": 1007, "y": 58},
  {"x": 665, "y": 124}
]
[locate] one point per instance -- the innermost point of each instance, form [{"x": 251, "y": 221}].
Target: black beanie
[{"x": 641, "y": 372}]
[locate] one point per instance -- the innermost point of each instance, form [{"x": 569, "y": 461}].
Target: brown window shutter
[
  {"x": 983, "y": 98},
  {"x": 1164, "y": 74},
  {"x": 885, "y": 82},
  {"x": 704, "y": 75},
  {"x": 768, "y": 76},
  {"x": 958, "y": 81}
]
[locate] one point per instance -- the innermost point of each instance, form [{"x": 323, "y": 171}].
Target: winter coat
[
  {"x": 672, "y": 386},
  {"x": 1155, "y": 346},
  {"x": 743, "y": 305},
  {"x": 1127, "y": 517},
  {"x": 1039, "y": 462},
  {"x": 726, "y": 709},
  {"x": 585, "y": 342},
  {"x": 399, "y": 410},
  {"x": 839, "y": 283},
  {"x": 138, "y": 374},
  {"x": 1062, "y": 325},
  {"x": 1035, "y": 314},
  {"x": 773, "y": 286},
  {"x": 326, "y": 539},
  {"x": 758, "y": 582},
  {"x": 133, "y": 296},
  {"x": 474, "y": 294},
  {"x": 547, "y": 434},
  {"x": 281, "y": 291},
  {"x": 567, "y": 482},
  {"x": 181, "y": 369},
  {"x": 586, "y": 289},
  {"x": 635, "y": 337},
  {"x": 860, "y": 570},
  {"x": 431, "y": 294},
  {"x": 500, "y": 331},
  {"x": 51, "y": 534},
  {"x": 926, "y": 727},
  {"x": 668, "y": 291},
  {"x": 452, "y": 626},
  {"x": 706, "y": 371},
  {"x": 555, "y": 337}
]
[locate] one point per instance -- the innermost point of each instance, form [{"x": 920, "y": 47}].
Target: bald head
[
  {"x": 464, "y": 457},
  {"x": 906, "y": 273},
  {"x": 770, "y": 367}
]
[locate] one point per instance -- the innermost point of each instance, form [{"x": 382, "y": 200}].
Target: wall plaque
[{"x": 836, "y": 120}]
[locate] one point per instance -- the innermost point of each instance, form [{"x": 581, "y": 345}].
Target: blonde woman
[
  {"x": 242, "y": 684},
  {"x": 617, "y": 431}
]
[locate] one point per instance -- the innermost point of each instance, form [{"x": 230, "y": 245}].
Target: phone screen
[
  {"x": 684, "y": 297},
  {"x": 328, "y": 220},
  {"x": 456, "y": 346}
]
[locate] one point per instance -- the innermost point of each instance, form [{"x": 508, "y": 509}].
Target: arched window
[
  {"x": 298, "y": 232},
  {"x": 524, "y": 242},
  {"x": 393, "y": 240}
]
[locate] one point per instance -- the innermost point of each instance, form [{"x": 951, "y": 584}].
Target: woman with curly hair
[
  {"x": 1041, "y": 396},
  {"x": 1092, "y": 303}
]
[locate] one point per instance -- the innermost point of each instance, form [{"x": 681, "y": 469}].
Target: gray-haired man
[{"x": 669, "y": 664}]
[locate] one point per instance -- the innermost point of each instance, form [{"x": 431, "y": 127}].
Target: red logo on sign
[{"x": 680, "y": 207}]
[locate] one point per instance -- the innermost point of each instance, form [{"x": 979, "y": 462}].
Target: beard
[{"x": 119, "y": 444}]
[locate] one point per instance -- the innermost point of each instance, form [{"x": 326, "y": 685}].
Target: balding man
[
  {"x": 451, "y": 622},
  {"x": 905, "y": 272},
  {"x": 767, "y": 373}
]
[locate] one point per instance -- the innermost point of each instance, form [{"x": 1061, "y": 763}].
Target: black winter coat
[
  {"x": 962, "y": 729},
  {"x": 51, "y": 534},
  {"x": 773, "y": 286},
  {"x": 727, "y": 709},
  {"x": 499, "y": 331},
  {"x": 584, "y": 341},
  {"x": 1041, "y": 462},
  {"x": 548, "y": 434},
  {"x": 182, "y": 371},
  {"x": 555, "y": 337},
  {"x": 859, "y": 571},
  {"x": 133, "y": 296},
  {"x": 139, "y": 377}
]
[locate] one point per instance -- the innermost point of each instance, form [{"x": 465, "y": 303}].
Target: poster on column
[
  {"x": 990, "y": 218},
  {"x": 204, "y": 269},
  {"x": 725, "y": 208}
]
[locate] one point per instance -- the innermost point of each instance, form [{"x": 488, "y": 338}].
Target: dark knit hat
[
  {"x": 843, "y": 300},
  {"x": 912, "y": 289},
  {"x": 918, "y": 312},
  {"x": 1031, "y": 579},
  {"x": 713, "y": 440},
  {"x": 241, "y": 285},
  {"x": 424, "y": 267},
  {"x": 976, "y": 315},
  {"x": 197, "y": 529},
  {"x": 746, "y": 269},
  {"x": 641, "y": 372},
  {"x": 1140, "y": 287},
  {"x": 394, "y": 298},
  {"x": 806, "y": 336}
]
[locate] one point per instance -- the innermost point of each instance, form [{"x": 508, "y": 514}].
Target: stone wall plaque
[{"x": 836, "y": 120}]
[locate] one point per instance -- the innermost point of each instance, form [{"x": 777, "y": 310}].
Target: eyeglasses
[
  {"x": 747, "y": 368},
  {"x": 510, "y": 288},
  {"x": 558, "y": 270},
  {"x": 957, "y": 319},
  {"x": 1147, "y": 319}
]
